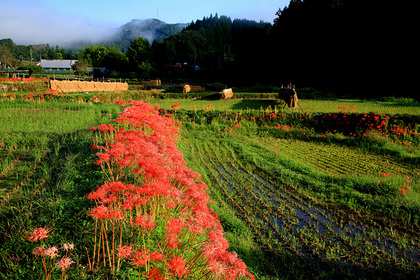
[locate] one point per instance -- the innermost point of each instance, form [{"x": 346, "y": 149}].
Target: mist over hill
[
  {"x": 150, "y": 29},
  {"x": 75, "y": 35}
]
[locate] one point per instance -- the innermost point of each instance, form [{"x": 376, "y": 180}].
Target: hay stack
[
  {"x": 289, "y": 96},
  {"x": 85, "y": 86},
  {"x": 227, "y": 93},
  {"x": 151, "y": 83},
  {"x": 197, "y": 89},
  {"x": 187, "y": 89},
  {"x": 193, "y": 88}
]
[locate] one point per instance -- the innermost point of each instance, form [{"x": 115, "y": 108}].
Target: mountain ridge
[
  {"x": 120, "y": 37},
  {"x": 150, "y": 29}
]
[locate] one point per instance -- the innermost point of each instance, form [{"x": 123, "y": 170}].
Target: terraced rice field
[
  {"x": 340, "y": 159},
  {"x": 285, "y": 217}
]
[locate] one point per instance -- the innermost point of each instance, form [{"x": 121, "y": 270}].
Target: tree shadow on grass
[{"x": 213, "y": 96}]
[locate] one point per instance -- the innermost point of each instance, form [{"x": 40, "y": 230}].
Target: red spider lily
[
  {"x": 177, "y": 266},
  {"x": 140, "y": 258},
  {"x": 64, "y": 263},
  {"x": 51, "y": 252},
  {"x": 39, "y": 251},
  {"x": 175, "y": 105},
  {"x": 156, "y": 256},
  {"x": 403, "y": 191},
  {"x": 155, "y": 274},
  {"x": 68, "y": 246},
  {"x": 175, "y": 226},
  {"x": 173, "y": 241},
  {"x": 145, "y": 222},
  {"x": 100, "y": 212},
  {"x": 38, "y": 234},
  {"x": 118, "y": 215},
  {"x": 125, "y": 252}
]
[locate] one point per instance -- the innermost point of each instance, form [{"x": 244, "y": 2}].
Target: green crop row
[{"x": 307, "y": 227}]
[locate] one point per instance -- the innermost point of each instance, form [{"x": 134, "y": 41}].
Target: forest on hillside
[{"x": 361, "y": 47}]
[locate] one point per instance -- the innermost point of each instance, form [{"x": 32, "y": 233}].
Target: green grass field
[{"x": 327, "y": 192}]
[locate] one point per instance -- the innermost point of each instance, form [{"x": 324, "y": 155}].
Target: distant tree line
[
  {"x": 362, "y": 46},
  {"x": 352, "y": 46}
]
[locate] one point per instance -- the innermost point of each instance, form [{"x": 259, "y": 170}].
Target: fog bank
[{"x": 41, "y": 26}]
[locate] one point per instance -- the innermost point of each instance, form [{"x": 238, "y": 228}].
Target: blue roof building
[{"x": 55, "y": 65}]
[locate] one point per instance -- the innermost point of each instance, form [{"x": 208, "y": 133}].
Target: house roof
[{"x": 66, "y": 64}]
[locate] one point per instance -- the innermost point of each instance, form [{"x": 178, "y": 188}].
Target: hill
[{"x": 150, "y": 29}]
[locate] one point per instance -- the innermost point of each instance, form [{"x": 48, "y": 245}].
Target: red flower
[
  {"x": 103, "y": 127},
  {"x": 100, "y": 212},
  {"x": 156, "y": 256},
  {"x": 402, "y": 191},
  {"x": 175, "y": 226},
  {"x": 172, "y": 241},
  {"x": 125, "y": 252},
  {"x": 104, "y": 157},
  {"x": 98, "y": 194},
  {"x": 64, "y": 263},
  {"x": 38, "y": 251},
  {"x": 177, "y": 266},
  {"x": 145, "y": 222},
  {"x": 38, "y": 234},
  {"x": 51, "y": 252},
  {"x": 140, "y": 258},
  {"x": 155, "y": 274}
]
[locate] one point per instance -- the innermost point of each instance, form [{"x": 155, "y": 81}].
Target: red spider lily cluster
[
  {"x": 352, "y": 108},
  {"x": 40, "y": 97},
  {"x": 406, "y": 186},
  {"x": 366, "y": 123},
  {"x": 49, "y": 94},
  {"x": 152, "y": 213},
  {"x": 23, "y": 80},
  {"x": 48, "y": 254}
]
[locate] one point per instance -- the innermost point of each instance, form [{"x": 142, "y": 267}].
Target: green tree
[
  {"x": 114, "y": 59},
  {"x": 139, "y": 54},
  {"x": 33, "y": 69},
  {"x": 5, "y": 55},
  {"x": 93, "y": 55},
  {"x": 80, "y": 68}
]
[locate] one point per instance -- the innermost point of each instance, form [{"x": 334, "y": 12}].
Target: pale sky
[{"x": 55, "y": 21}]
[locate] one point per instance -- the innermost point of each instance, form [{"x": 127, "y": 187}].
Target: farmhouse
[{"x": 57, "y": 65}]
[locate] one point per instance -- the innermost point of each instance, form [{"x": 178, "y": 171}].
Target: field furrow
[
  {"x": 340, "y": 160},
  {"x": 318, "y": 232}
]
